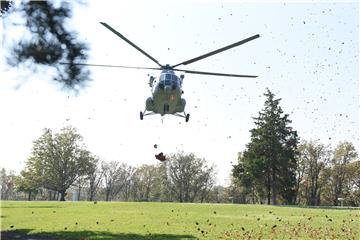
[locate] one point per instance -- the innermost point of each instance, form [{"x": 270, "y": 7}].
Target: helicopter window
[
  {"x": 168, "y": 76},
  {"x": 162, "y": 77}
]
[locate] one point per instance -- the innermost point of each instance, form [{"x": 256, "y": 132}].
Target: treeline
[
  {"x": 113, "y": 181},
  {"x": 60, "y": 168},
  {"x": 324, "y": 176}
]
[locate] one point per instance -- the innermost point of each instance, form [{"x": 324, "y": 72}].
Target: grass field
[{"x": 174, "y": 221}]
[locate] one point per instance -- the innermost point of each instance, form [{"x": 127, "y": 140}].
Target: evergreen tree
[
  {"x": 48, "y": 41},
  {"x": 268, "y": 164}
]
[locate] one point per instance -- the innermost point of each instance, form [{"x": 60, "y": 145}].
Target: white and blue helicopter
[{"x": 167, "y": 89}]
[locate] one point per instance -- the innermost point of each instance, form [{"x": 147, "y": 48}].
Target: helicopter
[{"x": 167, "y": 89}]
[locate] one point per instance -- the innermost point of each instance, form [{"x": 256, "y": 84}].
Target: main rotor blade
[
  {"x": 218, "y": 51},
  {"x": 215, "y": 74},
  {"x": 129, "y": 42},
  {"x": 106, "y": 65}
]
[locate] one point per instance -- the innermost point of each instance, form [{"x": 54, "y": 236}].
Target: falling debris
[{"x": 161, "y": 157}]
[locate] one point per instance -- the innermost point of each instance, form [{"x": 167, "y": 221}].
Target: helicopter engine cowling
[
  {"x": 149, "y": 104},
  {"x": 180, "y": 107}
]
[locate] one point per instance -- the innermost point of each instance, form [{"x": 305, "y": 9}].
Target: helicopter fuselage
[{"x": 166, "y": 94}]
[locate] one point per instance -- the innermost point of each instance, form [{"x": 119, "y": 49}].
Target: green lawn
[{"x": 175, "y": 221}]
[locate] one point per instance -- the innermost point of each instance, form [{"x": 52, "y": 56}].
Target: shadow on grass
[
  {"x": 319, "y": 207},
  {"x": 35, "y": 206},
  {"x": 23, "y": 234}
]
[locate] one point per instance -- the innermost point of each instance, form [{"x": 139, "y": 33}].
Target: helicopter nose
[{"x": 167, "y": 89}]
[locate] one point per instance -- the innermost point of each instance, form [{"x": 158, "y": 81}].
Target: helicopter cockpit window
[{"x": 168, "y": 80}]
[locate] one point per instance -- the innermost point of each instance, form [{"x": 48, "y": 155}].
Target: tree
[
  {"x": 146, "y": 180},
  {"x": 5, "y": 6},
  {"x": 49, "y": 41},
  {"x": 269, "y": 159},
  {"x": 88, "y": 180},
  {"x": 95, "y": 176},
  {"x": 218, "y": 194},
  {"x": 237, "y": 193},
  {"x": 116, "y": 179},
  {"x": 247, "y": 185},
  {"x": 189, "y": 178},
  {"x": 78, "y": 186},
  {"x": 7, "y": 184},
  {"x": 313, "y": 158},
  {"x": 301, "y": 165},
  {"x": 111, "y": 174},
  {"x": 353, "y": 170},
  {"x": 124, "y": 184},
  {"x": 60, "y": 159},
  {"x": 344, "y": 154},
  {"x": 28, "y": 182}
]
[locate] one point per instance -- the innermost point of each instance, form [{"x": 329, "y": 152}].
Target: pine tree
[
  {"x": 268, "y": 164},
  {"x": 48, "y": 41}
]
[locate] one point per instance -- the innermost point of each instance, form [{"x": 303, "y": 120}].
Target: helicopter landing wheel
[
  {"x": 141, "y": 116},
  {"x": 187, "y": 117}
]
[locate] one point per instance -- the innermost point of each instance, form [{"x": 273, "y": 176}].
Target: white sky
[{"x": 307, "y": 55}]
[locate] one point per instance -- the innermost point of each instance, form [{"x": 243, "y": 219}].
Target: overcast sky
[{"x": 307, "y": 54}]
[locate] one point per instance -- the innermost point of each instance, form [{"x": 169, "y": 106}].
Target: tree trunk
[
  {"x": 91, "y": 197},
  {"x": 273, "y": 189},
  {"x": 180, "y": 196},
  {"x": 318, "y": 197},
  {"x": 62, "y": 195},
  {"x": 107, "y": 198},
  {"x": 79, "y": 193},
  {"x": 296, "y": 196},
  {"x": 268, "y": 189},
  {"x": 314, "y": 190},
  {"x": 268, "y": 196},
  {"x": 29, "y": 196}
]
